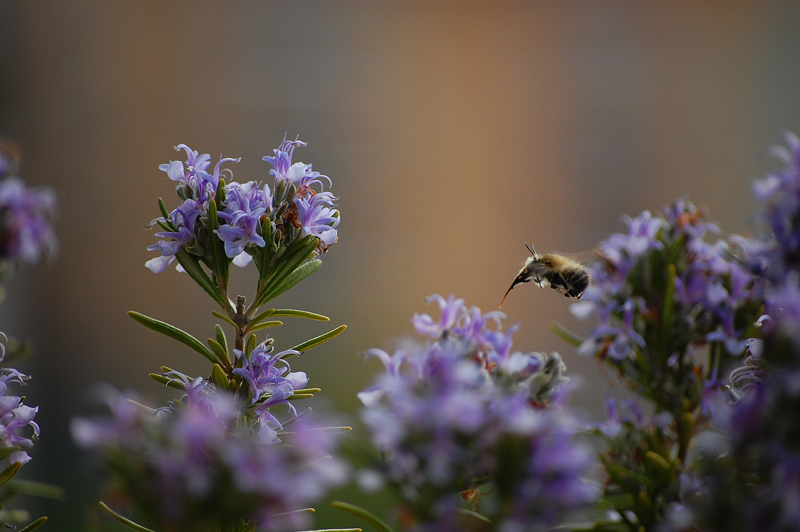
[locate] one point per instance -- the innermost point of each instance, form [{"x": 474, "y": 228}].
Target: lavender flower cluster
[
  {"x": 253, "y": 215},
  {"x": 662, "y": 291},
  {"x": 711, "y": 457},
  {"x": 713, "y": 294},
  {"x": 26, "y": 214},
  {"x": 463, "y": 413},
  {"x": 200, "y": 461},
  {"x": 14, "y": 416},
  {"x": 752, "y": 481}
]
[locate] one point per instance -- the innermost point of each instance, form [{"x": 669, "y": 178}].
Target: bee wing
[{"x": 587, "y": 255}]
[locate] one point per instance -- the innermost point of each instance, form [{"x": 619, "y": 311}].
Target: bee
[{"x": 566, "y": 276}]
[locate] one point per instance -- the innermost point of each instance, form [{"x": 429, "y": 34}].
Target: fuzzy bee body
[{"x": 564, "y": 275}]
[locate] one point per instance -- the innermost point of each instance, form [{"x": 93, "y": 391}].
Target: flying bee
[{"x": 566, "y": 276}]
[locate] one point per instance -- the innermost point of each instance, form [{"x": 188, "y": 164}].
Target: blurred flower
[
  {"x": 714, "y": 295},
  {"x": 196, "y": 463},
  {"x": 753, "y": 481},
  {"x": 461, "y": 411},
  {"x": 780, "y": 193},
  {"x": 26, "y": 222}
]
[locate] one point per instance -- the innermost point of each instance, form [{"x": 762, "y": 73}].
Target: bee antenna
[{"x": 530, "y": 248}]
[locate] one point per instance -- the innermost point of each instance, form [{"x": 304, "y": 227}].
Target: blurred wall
[{"x": 453, "y": 132}]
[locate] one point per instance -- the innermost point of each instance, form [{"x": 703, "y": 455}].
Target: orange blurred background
[{"x": 453, "y": 132}]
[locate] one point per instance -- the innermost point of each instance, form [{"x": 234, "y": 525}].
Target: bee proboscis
[{"x": 566, "y": 276}]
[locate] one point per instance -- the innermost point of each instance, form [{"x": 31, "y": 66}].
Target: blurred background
[{"x": 453, "y": 133}]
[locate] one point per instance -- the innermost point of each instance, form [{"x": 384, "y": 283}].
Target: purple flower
[
  {"x": 26, "y": 215},
  {"x": 444, "y": 412},
  {"x": 194, "y": 163},
  {"x": 199, "y": 184},
  {"x": 727, "y": 335},
  {"x": 15, "y": 416},
  {"x": 201, "y": 462},
  {"x": 714, "y": 292},
  {"x": 208, "y": 183},
  {"x": 244, "y": 206},
  {"x": 317, "y": 217},
  {"x": 269, "y": 379},
  {"x": 623, "y": 250},
  {"x": 282, "y": 162},
  {"x": 452, "y": 310},
  {"x": 298, "y": 174},
  {"x": 288, "y": 212},
  {"x": 780, "y": 193},
  {"x": 184, "y": 218}
]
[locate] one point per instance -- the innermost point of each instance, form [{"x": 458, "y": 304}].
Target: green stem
[
  {"x": 713, "y": 358},
  {"x": 241, "y": 322}
]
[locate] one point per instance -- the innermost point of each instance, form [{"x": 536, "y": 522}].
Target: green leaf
[
  {"x": 623, "y": 476},
  {"x": 34, "y": 525},
  {"x": 219, "y": 377},
  {"x": 124, "y": 520},
  {"x": 173, "y": 332},
  {"x": 225, "y": 318},
  {"x": 308, "y": 390},
  {"x": 300, "y": 511},
  {"x": 296, "y": 396},
  {"x": 199, "y": 275},
  {"x": 140, "y": 405},
  {"x": 621, "y": 502},
  {"x": 332, "y": 429},
  {"x": 482, "y": 522},
  {"x": 314, "y": 342},
  {"x": 9, "y": 473},
  {"x": 35, "y": 489},
  {"x": 250, "y": 345},
  {"x": 220, "y": 334},
  {"x": 658, "y": 463},
  {"x": 294, "y": 278},
  {"x": 301, "y": 250},
  {"x": 264, "y": 325},
  {"x": 668, "y": 306},
  {"x": 335, "y": 530},
  {"x": 262, "y": 316},
  {"x": 363, "y": 514},
  {"x": 565, "y": 334},
  {"x": 8, "y": 450},
  {"x": 598, "y": 526},
  {"x": 163, "y": 209},
  {"x": 287, "y": 313},
  {"x": 217, "y": 248},
  {"x": 219, "y": 351},
  {"x": 262, "y": 261},
  {"x": 168, "y": 381}
]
